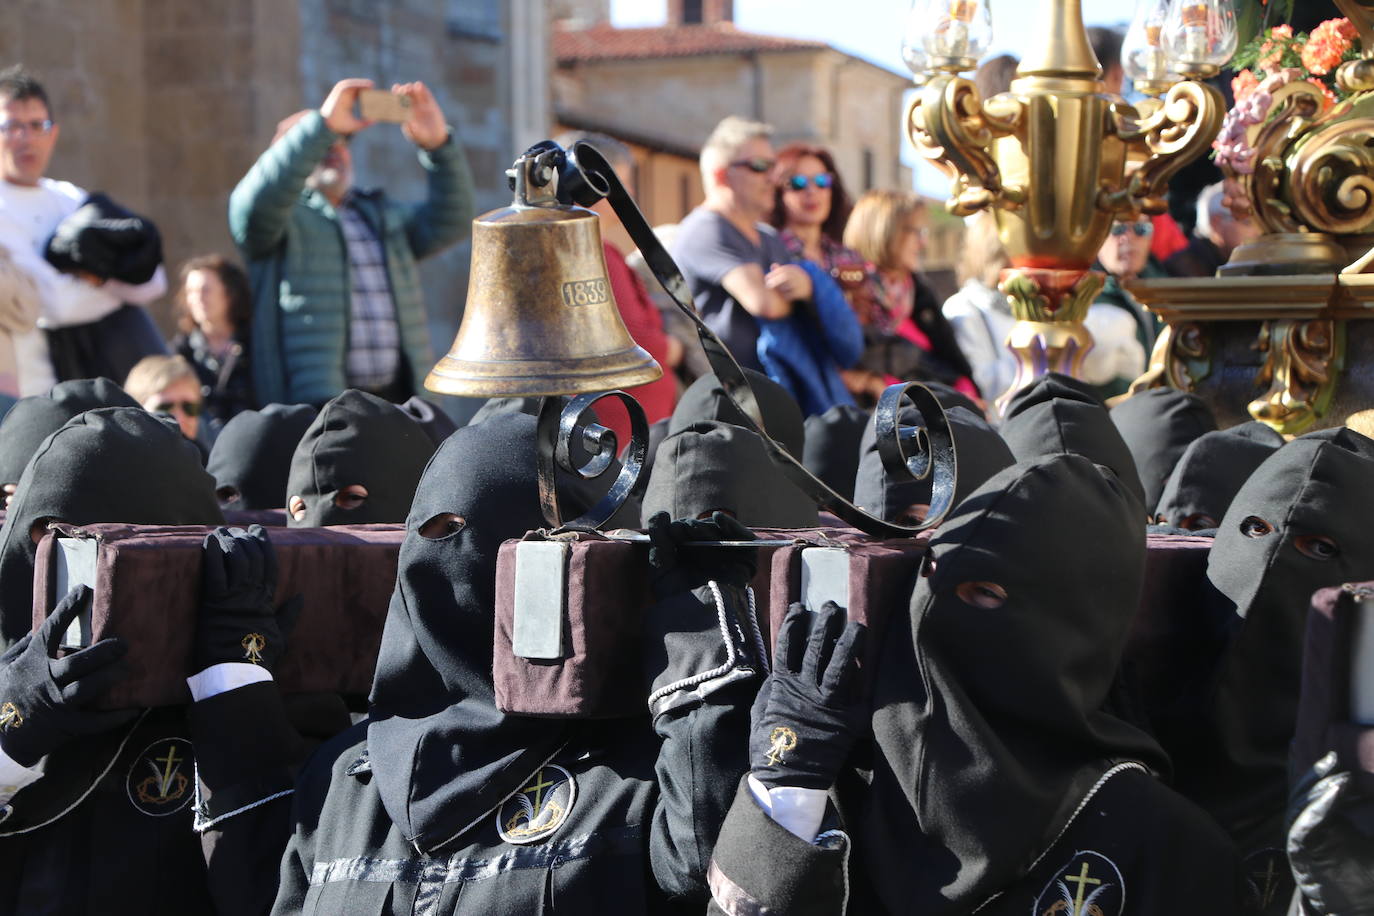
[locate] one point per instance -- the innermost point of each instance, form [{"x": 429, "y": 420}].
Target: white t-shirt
[{"x": 28, "y": 217}]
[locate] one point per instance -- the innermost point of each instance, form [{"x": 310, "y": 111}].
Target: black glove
[
  {"x": 1331, "y": 841},
  {"x": 809, "y": 711},
  {"x": 237, "y": 620},
  {"x": 676, "y": 569},
  {"x": 698, "y": 639},
  {"x": 43, "y": 699}
]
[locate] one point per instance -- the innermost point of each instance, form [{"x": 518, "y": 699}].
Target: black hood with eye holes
[
  {"x": 715, "y": 465},
  {"x": 33, "y": 419},
  {"x": 1212, "y": 470},
  {"x": 705, "y": 400},
  {"x": 431, "y": 417},
  {"x": 1232, "y": 757},
  {"x": 1057, "y": 415},
  {"x": 118, "y": 464},
  {"x": 253, "y": 453},
  {"x": 988, "y": 723},
  {"x": 357, "y": 439},
  {"x": 1157, "y": 425},
  {"x": 979, "y": 451},
  {"x": 443, "y": 755},
  {"x": 832, "y": 446}
]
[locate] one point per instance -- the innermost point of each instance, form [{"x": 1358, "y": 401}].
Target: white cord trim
[
  {"x": 114, "y": 758},
  {"x": 1119, "y": 768},
  {"x": 731, "y": 656},
  {"x": 201, "y": 824}
]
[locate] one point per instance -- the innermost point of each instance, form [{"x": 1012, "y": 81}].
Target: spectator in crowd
[
  {"x": 32, "y": 207},
  {"x": 693, "y": 364},
  {"x": 19, "y": 306},
  {"x": 786, "y": 319},
  {"x": 1123, "y": 332},
  {"x": 979, "y": 312},
  {"x": 810, "y": 208},
  {"x": 810, "y": 211},
  {"x": 1106, "y": 44},
  {"x": 1216, "y": 234},
  {"x": 642, "y": 318},
  {"x": 336, "y": 291},
  {"x": 168, "y": 384},
  {"x": 214, "y": 311},
  {"x": 908, "y": 337}
]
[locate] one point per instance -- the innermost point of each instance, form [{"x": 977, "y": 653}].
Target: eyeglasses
[
  {"x": 190, "y": 408},
  {"x": 824, "y": 181},
  {"x": 757, "y": 164},
  {"x": 1141, "y": 229},
  {"x": 14, "y": 128}
]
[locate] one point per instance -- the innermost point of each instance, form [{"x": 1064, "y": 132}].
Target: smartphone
[{"x": 383, "y": 105}]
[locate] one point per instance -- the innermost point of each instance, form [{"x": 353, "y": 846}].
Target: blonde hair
[
  {"x": 983, "y": 255},
  {"x": 152, "y": 374},
  {"x": 725, "y": 142},
  {"x": 877, "y": 222}
]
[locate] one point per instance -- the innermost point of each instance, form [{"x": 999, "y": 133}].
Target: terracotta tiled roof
[{"x": 605, "y": 42}]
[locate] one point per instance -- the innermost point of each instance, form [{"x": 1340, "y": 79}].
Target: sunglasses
[
  {"x": 824, "y": 181},
  {"x": 190, "y": 408},
  {"x": 1142, "y": 228},
  {"x": 757, "y": 164}
]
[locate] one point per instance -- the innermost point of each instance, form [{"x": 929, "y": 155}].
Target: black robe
[
  {"x": 108, "y": 828},
  {"x": 994, "y": 775},
  {"x": 442, "y": 803},
  {"x": 1300, "y": 523}
]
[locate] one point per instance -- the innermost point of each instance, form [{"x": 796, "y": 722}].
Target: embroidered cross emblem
[
  {"x": 1268, "y": 882},
  {"x": 538, "y": 787},
  {"x": 253, "y": 644},
  {"x": 169, "y": 771},
  {"x": 10, "y": 717},
  {"x": 1082, "y": 880},
  {"x": 783, "y": 739}
]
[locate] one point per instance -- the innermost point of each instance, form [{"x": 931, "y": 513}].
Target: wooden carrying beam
[
  {"x": 574, "y": 650},
  {"x": 147, "y": 590}
]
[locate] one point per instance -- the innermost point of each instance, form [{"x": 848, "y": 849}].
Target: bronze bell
[{"x": 540, "y": 318}]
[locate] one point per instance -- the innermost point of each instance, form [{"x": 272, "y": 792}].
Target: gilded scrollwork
[
  {"x": 1175, "y": 132},
  {"x": 1181, "y": 359},
  {"x": 1333, "y": 178},
  {"x": 1295, "y": 109},
  {"x": 1302, "y": 367},
  {"x": 950, "y": 126}
]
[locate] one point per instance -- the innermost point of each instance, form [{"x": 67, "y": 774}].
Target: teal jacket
[{"x": 297, "y": 261}]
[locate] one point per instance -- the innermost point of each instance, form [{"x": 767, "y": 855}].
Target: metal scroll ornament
[
  {"x": 561, "y": 182},
  {"x": 1049, "y": 160}
]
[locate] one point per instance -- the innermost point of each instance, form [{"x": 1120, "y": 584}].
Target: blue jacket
[
  {"x": 805, "y": 351},
  {"x": 297, "y": 261}
]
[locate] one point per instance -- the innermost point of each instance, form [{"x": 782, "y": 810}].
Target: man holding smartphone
[{"x": 336, "y": 294}]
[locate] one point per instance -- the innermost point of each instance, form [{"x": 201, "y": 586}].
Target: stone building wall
[{"x": 165, "y": 104}]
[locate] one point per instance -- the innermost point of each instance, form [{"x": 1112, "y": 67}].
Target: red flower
[{"x": 1327, "y": 45}]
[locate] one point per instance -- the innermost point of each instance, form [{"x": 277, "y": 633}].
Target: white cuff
[
  {"x": 15, "y": 776},
  {"x": 797, "y": 810},
  {"x": 224, "y": 677}
]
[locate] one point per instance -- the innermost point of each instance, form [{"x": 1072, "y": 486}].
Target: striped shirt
[{"x": 374, "y": 337}]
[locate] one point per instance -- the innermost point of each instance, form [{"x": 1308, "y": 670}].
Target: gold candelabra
[{"x": 1056, "y": 159}]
